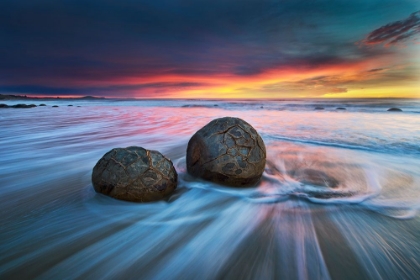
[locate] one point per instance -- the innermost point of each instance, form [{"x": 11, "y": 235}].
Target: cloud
[
  {"x": 315, "y": 86},
  {"x": 337, "y": 90},
  {"x": 63, "y": 47},
  {"x": 395, "y": 32}
]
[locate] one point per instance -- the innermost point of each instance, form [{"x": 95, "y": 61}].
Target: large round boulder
[
  {"x": 134, "y": 174},
  {"x": 228, "y": 151}
]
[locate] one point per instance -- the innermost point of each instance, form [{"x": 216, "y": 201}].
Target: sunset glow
[{"x": 206, "y": 49}]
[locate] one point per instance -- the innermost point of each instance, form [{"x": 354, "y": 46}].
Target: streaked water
[{"x": 54, "y": 226}]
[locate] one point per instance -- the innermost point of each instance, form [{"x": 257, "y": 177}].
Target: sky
[{"x": 210, "y": 49}]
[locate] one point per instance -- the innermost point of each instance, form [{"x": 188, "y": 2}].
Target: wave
[
  {"x": 319, "y": 211},
  {"x": 396, "y": 148}
]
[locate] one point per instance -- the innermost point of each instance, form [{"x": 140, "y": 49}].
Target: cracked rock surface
[
  {"x": 228, "y": 151},
  {"x": 134, "y": 174}
]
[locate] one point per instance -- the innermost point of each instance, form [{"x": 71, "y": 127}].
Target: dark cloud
[
  {"x": 376, "y": 70},
  {"x": 395, "y": 32}
]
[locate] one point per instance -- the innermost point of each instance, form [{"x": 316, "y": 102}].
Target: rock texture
[
  {"x": 134, "y": 174},
  {"x": 228, "y": 151}
]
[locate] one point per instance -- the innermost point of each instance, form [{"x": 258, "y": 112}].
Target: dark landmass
[
  {"x": 24, "y": 97},
  {"x": 89, "y": 97}
]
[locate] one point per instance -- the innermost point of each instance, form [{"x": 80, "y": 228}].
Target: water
[{"x": 54, "y": 226}]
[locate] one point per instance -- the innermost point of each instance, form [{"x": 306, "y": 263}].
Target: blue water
[{"x": 54, "y": 226}]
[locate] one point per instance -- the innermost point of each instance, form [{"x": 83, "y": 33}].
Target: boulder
[
  {"x": 42, "y": 104},
  {"x": 55, "y": 106},
  {"x": 394, "y": 110},
  {"x": 2, "y": 105},
  {"x": 134, "y": 174},
  {"x": 23, "y": 106},
  {"x": 227, "y": 151}
]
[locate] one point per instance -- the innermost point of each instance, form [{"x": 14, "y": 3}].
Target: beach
[{"x": 54, "y": 225}]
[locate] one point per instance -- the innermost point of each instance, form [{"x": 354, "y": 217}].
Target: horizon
[
  {"x": 211, "y": 49},
  {"x": 90, "y": 97}
]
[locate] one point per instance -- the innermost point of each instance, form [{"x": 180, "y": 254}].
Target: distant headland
[{"x": 24, "y": 97}]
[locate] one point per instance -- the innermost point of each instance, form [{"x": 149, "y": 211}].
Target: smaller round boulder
[
  {"x": 134, "y": 174},
  {"x": 228, "y": 151}
]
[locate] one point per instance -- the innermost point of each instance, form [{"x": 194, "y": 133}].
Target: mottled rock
[
  {"x": 228, "y": 151},
  {"x": 394, "y": 110},
  {"x": 134, "y": 174}
]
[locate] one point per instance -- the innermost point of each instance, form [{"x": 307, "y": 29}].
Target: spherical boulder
[
  {"x": 228, "y": 151},
  {"x": 134, "y": 174}
]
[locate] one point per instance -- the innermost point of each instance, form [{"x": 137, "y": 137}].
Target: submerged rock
[
  {"x": 134, "y": 174},
  {"x": 70, "y": 105},
  {"x": 228, "y": 151},
  {"x": 394, "y": 110},
  {"x": 341, "y": 108},
  {"x": 319, "y": 108},
  {"x": 42, "y": 104}
]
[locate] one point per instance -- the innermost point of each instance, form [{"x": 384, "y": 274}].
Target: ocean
[{"x": 54, "y": 225}]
